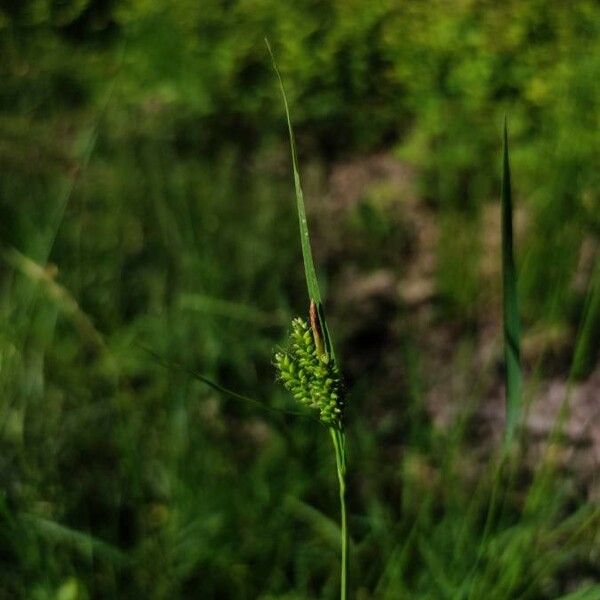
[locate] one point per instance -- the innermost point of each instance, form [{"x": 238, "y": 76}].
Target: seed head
[{"x": 311, "y": 376}]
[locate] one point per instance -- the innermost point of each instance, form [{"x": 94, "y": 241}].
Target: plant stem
[{"x": 339, "y": 444}]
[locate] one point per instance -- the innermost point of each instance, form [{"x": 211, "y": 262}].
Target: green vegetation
[{"x": 148, "y": 244}]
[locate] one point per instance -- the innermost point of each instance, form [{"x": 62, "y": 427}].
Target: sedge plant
[{"x": 308, "y": 367}]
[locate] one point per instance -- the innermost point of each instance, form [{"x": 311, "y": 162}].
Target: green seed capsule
[{"x": 311, "y": 377}]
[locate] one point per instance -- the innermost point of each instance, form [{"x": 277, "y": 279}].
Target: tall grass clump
[{"x": 308, "y": 367}]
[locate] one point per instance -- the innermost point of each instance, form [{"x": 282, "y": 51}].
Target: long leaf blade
[
  {"x": 312, "y": 283},
  {"x": 309, "y": 266},
  {"x": 512, "y": 335}
]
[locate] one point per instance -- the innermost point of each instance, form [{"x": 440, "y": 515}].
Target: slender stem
[{"x": 339, "y": 444}]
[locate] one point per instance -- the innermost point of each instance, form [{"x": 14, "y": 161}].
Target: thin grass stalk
[{"x": 339, "y": 445}]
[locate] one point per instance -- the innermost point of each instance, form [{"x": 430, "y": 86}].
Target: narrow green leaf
[
  {"x": 312, "y": 282},
  {"x": 309, "y": 266},
  {"x": 512, "y": 336}
]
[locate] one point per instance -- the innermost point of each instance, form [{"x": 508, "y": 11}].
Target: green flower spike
[{"x": 309, "y": 374}]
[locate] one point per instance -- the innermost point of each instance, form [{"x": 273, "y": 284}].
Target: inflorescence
[{"x": 311, "y": 375}]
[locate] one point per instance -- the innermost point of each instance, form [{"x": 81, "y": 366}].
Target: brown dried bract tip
[{"x": 315, "y": 326}]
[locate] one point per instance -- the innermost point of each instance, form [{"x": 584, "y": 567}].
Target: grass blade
[
  {"x": 512, "y": 336},
  {"x": 512, "y": 353},
  {"x": 312, "y": 283},
  {"x": 309, "y": 266}
]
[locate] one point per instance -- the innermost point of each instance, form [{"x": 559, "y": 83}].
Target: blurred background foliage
[{"x": 146, "y": 201}]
